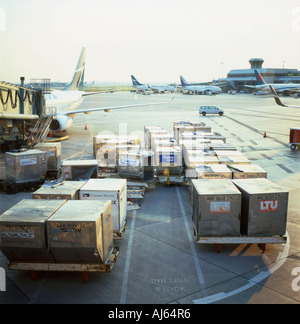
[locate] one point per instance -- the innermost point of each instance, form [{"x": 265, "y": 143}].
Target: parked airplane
[
  {"x": 278, "y": 100},
  {"x": 68, "y": 99},
  {"x": 142, "y": 87},
  {"x": 279, "y": 87},
  {"x": 155, "y": 89},
  {"x": 199, "y": 89}
]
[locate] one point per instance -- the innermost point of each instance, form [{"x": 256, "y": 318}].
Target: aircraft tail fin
[
  {"x": 135, "y": 82},
  {"x": 78, "y": 76},
  {"x": 260, "y": 80},
  {"x": 183, "y": 82}
]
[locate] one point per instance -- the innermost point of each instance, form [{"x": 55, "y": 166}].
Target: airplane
[
  {"x": 67, "y": 100},
  {"x": 199, "y": 89},
  {"x": 278, "y": 100},
  {"x": 279, "y": 87},
  {"x": 142, "y": 87}
]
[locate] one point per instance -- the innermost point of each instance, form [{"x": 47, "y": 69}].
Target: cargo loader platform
[
  {"x": 67, "y": 267},
  {"x": 262, "y": 241}
]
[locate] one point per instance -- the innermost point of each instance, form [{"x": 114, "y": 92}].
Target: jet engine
[{"x": 61, "y": 123}]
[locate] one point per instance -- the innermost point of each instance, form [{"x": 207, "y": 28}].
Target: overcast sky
[{"x": 156, "y": 40}]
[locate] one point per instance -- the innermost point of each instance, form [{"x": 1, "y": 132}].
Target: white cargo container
[
  {"x": 233, "y": 159},
  {"x": 109, "y": 189},
  {"x": 170, "y": 157}
]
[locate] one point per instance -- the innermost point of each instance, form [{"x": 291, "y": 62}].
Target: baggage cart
[
  {"x": 295, "y": 138},
  {"x": 85, "y": 268}
]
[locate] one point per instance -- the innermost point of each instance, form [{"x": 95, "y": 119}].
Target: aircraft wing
[
  {"x": 278, "y": 100},
  {"x": 90, "y": 110},
  {"x": 96, "y": 92}
]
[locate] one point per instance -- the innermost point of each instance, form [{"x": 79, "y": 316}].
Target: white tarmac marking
[
  {"x": 263, "y": 275},
  {"x": 192, "y": 244},
  {"x": 127, "y": 262}
]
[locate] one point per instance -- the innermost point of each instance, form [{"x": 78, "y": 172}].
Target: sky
[{"x": 155, "y": 40}]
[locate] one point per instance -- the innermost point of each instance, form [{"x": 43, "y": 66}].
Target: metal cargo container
[
  {"x": 109, "y": 189},
  {"x": 159, "y": 137},
  {"x": 24, "y": 167},
  {"x": 247, "y": 171},
  {"x": 193, "y": 159},
  {"x": 216, "y": 208},
  {"x": 68, "y": 190},
  {"x": 23, "y": 230},
  {"x": 147, "y": 130},
  {"x": 222, "y": 147},
  {"x": 109, "y": 140},
  {"x": 264, "y": 207},
  {"x": 53, "y": 151},
  {"x": 233, "y": 159},
  {"x": 81, "y": 232},
  {"x": 76, "y": 170},
  {"x": 213, "y": 171},
  {"x": 136, "y": 165},
  {"x": 180, "y": 127}
]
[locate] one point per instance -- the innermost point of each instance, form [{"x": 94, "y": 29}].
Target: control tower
[{"x": 256, "y": 63}]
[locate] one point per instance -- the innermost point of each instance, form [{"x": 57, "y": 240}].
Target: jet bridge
[{"x": 20, "y": 108}]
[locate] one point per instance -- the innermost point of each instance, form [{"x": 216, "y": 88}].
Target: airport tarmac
[{"x": 159, "y": 261}]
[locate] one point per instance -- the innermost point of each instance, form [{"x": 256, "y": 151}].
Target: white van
[{"x": 215, "y": 110}]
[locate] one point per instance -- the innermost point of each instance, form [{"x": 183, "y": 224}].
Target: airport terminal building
[{"x": 237, "y": 79}]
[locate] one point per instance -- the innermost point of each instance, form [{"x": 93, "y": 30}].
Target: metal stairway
[{"x": 40, "y": 130}]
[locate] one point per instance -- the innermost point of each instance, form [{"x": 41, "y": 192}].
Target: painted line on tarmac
[
  {"x": 127, "y": 262},
  {"x": 192, "y": 244},
  {"x": 263, "y": 275}
]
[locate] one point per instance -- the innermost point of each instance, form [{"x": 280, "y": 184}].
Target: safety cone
[
  {"x": 85, "y": 127},
  {"x": 265, "y": 134},
  {"x": 50, "y": 134}
]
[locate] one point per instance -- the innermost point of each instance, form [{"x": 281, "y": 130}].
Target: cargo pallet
[
  {"x": 262, "y": 241},
  {"x": 14, "y": 188},
  {"x": 66, "y": 267}
]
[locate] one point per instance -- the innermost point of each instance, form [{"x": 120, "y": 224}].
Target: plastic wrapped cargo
[
  {"x": 216, "y": 208},
  {"x": 264, "y": 207},
  {"x": 68, "y": 190},
  {"x": 23, "y": 230},
  {"x": 81, "y": 232},
  {"x": 24, "y": 167},
  {"x": 109, "y": 189},
  {"x": 170, "y": 157},
  {"x": 53, "y": 153}
]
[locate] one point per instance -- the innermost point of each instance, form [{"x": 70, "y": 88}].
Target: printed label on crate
[
  {"x": 168, "y": 158},
  {"x": 27, "y": 161},
  {"x": 128, "y": 162},
  {"x": 23, "y": 235},
  {"x": 269, "y": 205},
  {"x": 220, "y": 207}
]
